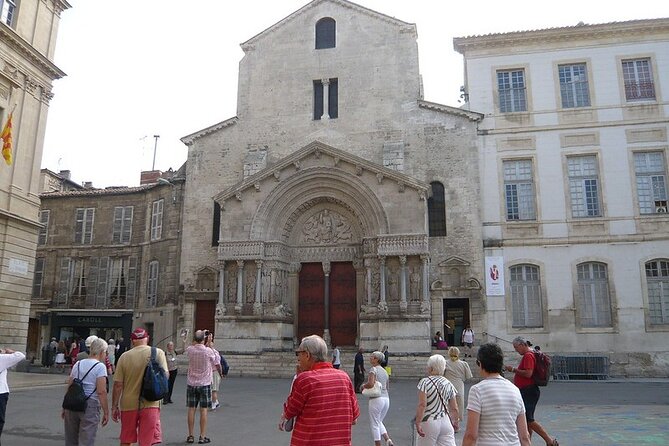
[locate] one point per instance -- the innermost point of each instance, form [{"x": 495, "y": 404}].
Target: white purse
[{"x": 372, "y": 392}]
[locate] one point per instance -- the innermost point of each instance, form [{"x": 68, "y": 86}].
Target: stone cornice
[
  {"x": 405, "y": 26},
  {"x": 636, "y": 28},
  {"x": 190, "y": 139},
  {"x": 18, "y": 44},
  {"x": 472, "y": 116},
  {"x": 319, "y": 149}
]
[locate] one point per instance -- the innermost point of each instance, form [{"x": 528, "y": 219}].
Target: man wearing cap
[
  {"x": 140, "y": 419},
  {"x": 8, "y": 358}
]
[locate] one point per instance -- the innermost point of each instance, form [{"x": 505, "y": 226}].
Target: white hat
[{"x": 90, "y": 339}]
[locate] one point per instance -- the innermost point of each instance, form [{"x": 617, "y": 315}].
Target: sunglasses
[
  {"x": 297, "y": 352},
  {"x": 478, "y": 363}
]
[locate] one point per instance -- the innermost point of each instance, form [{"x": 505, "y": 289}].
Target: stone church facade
[{"x": 338, "y": 201}]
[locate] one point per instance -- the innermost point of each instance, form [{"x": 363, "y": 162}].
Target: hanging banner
[{"x": 494, "y": 276}]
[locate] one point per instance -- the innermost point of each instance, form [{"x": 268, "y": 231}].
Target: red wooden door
[
  {"x": 343, "y": 314},
  {"x": 204, "y": 315},
  {"x": 311, "y": 309}
]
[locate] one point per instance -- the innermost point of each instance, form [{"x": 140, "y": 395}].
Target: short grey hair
[
  {"x": 379, "y": 356},
  {"x": 316, "y": 347},
  {"x": 98, "y": 345},
  {"x": 519, "y": 340},
  {"x": 437, "y": 363}
]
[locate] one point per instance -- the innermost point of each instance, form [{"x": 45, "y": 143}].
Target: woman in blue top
[{"x": 82, "y": 427}]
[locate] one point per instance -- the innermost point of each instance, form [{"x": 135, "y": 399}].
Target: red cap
[{"x": 139, "y": 333}]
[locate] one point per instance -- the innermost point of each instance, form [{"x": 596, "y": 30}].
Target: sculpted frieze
[{"x": 326, "y": 228}]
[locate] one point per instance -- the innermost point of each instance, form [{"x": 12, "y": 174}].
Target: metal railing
[{"x": 496, "y": 338}]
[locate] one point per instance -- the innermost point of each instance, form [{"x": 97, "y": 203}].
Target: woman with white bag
[
  {"x": 379, "y": 401},
  {"x": 437, "y": 410}
]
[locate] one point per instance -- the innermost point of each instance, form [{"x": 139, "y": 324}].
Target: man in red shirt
[
  {"x": 322, "y": 399},
  {"x": 522, "y": 378}
]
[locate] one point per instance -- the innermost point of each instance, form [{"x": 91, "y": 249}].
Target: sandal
[
  {"x": 204, "y": 440},
  {"x": 389, "y": 442},
  {"x": 190, "y": 439},
  {"x": 555, "y": 442}
]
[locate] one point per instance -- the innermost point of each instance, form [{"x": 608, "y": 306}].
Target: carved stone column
[
  {"x": 326, "y": 97},
  {"x": 326, "y": 330},
  {"x": 383, "y": 306},
  {"x": 403, "y": 283},
  {"x": 240, "y": 286},
  {"x": 220, "y": 305},
  {"x": 425, "y": 303},
  {"x": 368, "y": 282},
  {"x": 257, "y": 304}
]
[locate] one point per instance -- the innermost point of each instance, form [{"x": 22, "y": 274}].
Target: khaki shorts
[{"x": 215, "y": 381}]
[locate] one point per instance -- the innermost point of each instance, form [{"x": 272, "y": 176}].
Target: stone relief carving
[
  {"x": 250, "y": 287},
  {"x": 393, "y": 285},
  {"x": 326, "y": 227},
  {"x": 414, "y": 284},
  {"x": 231, "y": 285}
]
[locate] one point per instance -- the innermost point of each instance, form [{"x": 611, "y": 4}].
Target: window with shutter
[
  {"x": 64, "y": 283},
  {"x": 122, "y": 229},
  {"x": 38, "y": 277},
  {"x": 83, "y": 226},
  {"x": 44, "y": 229},
  {"x": 157, "y": 220}
]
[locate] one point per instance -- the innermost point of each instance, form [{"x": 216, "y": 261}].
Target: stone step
[{"x": 282, "y": 364}]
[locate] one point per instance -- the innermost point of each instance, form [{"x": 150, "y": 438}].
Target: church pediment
[
  {"x": 318, "y": 155},
  {"x": 454, "y": 262},
  {"x": 249, "y": 45}
]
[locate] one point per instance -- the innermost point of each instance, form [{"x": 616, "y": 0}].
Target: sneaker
[{"x": 215, "y": 405}]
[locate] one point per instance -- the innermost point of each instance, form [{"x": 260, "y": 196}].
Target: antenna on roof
[{"x": 155, "y": 147}]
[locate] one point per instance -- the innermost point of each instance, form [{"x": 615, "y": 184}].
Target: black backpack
[
  {"x": 75, "y": 398},
  {"x": 154, "y": 383}
]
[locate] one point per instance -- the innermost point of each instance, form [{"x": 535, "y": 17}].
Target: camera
[{"x": 207, "y": 333}]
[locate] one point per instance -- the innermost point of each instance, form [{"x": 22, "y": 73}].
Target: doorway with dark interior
[{"x": 456, "y": 318}]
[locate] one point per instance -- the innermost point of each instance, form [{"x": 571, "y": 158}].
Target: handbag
[
  {"x": 289, "y": 424},
  {"x": 373, "y": 392}
]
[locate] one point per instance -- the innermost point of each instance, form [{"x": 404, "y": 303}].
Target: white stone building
[
  {"x": 347, "y": 205},
  {"x": 28, "y": 31},
  {"x": 573, "y": 168}
]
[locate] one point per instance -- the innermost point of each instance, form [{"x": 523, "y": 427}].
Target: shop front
[{"x": 107, "y": 324}]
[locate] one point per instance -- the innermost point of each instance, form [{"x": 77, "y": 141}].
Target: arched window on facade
[
  {"x": 436, "y": 210},
  {"x": 326, "y": 33},
  {"x": 216, "y": 224},
  {"x": 657, "y": 280},
  {"x": 594, "y": 300},
  {"x": 526, "y": 302}
]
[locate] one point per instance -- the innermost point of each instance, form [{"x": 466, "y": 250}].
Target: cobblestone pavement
[{"x": 578, "y": 413}]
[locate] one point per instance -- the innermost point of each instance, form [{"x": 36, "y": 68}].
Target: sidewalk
[{"x": 24, "y": 380}]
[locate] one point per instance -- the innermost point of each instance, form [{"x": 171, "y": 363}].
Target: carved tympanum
[{"x": 325, "y": 228}]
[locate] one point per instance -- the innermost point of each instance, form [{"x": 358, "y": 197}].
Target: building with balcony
[{"x": 108, "y": 260}]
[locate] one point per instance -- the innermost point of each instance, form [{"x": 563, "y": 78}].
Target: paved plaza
[{"x": 578, "y": 413}]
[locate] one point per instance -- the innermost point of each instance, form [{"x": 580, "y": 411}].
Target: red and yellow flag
[{"x": 6, "y": 136}]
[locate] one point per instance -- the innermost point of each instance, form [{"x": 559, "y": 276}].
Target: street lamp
[{"x": 174, "y": 191}]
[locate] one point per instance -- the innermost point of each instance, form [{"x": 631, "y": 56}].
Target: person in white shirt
[
  {"x": 336, "y": 358},
  {"x": 8, "y": 358},
  {"x": 495, "y": 410}
]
